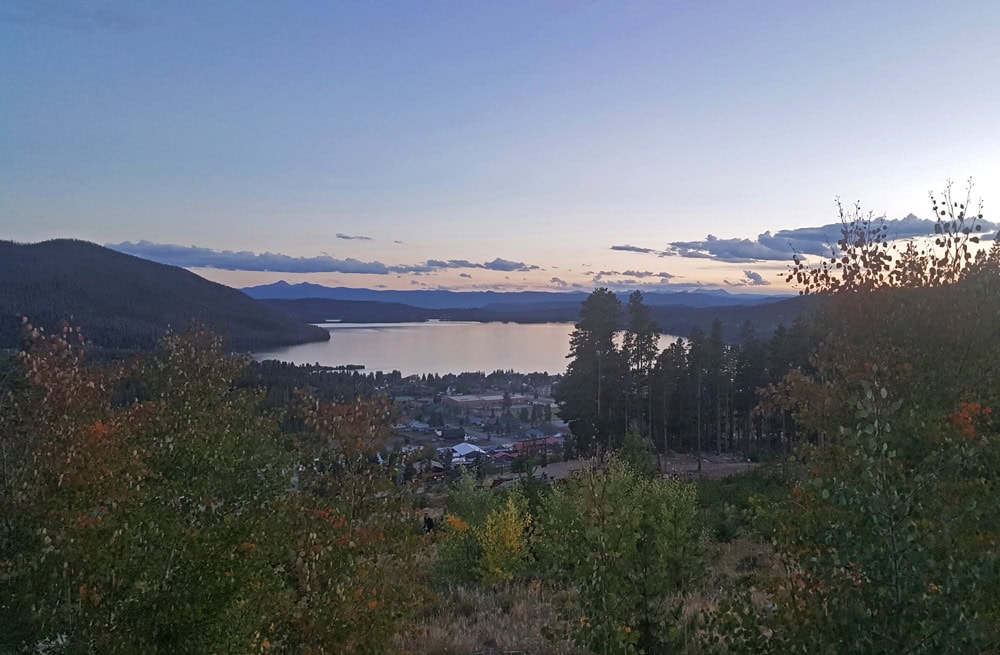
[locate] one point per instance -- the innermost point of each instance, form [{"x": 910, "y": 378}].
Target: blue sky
[{"x": 487, "y": 144}]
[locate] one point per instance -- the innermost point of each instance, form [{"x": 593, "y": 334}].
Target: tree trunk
[{"x": 698, "y": 434}]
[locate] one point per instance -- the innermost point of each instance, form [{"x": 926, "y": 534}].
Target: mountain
[
  {"x": 678, "y": 320},
  {"x": 765, "y": 317},
  {"x": 124, "y": 302},
  {"x": 528, "y": 300}
]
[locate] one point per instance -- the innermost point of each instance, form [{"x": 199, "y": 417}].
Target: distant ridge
[
  {"x": 440, "y": 299},
  {"x": 124, "y": 302},
  {"x": 677, "y": 320}
]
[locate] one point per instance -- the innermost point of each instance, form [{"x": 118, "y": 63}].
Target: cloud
[
  {"x": 645, "y": 274},
  {"x": 630, "y": 277},
  {"x": 559, "y": 283},
  {"x": 508, "y": 266},
  {"x": 729, "y": 250},
  {"x": 196, "y": 257},
  {"x": 627, "y": 248},
  {"x": 601, "y": 275},
  {"x": 465, "y": 275},
  {"x": 502, "y": 265},
  {"x": 451, "y": 263},
  {"x": 349, "y": 237},
  {"x": 749, "y": 279},
  {"x": 784, "y": 244},
  {"x": 74, "y": 15}
]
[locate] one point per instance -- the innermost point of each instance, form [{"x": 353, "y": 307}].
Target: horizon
[
  {"x": 470, "y": 147},
  {"x": 620, "y": 292}
]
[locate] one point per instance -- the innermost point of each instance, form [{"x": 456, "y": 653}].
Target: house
[
  {"x": 467, "y": 450},
  {"x": 449, "y": 434},
  {"x": 545, "y": 445},
  {"x": 504, "y": 458}
]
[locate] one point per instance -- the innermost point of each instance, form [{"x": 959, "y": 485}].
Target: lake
[{"x": 438, "y": 347}]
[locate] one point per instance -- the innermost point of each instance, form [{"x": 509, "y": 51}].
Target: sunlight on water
[{"x": 438, "y": 347}]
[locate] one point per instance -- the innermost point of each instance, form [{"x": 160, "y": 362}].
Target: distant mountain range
[
  {"x": 671, "y": 319},
  {"x": 124, "y": 302},
  {"x": 438, "y": 299}
]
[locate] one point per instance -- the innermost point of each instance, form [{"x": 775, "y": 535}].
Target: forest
[
  {"x": 158, "y": 505},
  {"x": 126, "y": 303}
]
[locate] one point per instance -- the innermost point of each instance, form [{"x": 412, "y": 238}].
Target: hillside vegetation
[
  {"x": 124, "y": 302},
  {"x": 158, "y": 507}
]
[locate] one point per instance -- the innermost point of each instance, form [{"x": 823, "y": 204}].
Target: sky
[{"x": 501, "y": 145}]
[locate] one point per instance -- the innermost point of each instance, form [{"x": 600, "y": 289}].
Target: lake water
[{"x": 438, "y": 347}]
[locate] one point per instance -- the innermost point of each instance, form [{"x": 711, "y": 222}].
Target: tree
[
  {"x": 640, "y": 346},
  {"x": 628, "y": 544},
  {"x": 718, "y": 377},
  {"x": 136, "y": 518},
  {"x": 889, "y": 536},
  {"x": 589, "y": 394},
  {"x": 353, "y": 544},
  {"x": 152, "y": 507},
  {"x": 698, "y": 369},
  {"x": 749, "y": 377},
  {"x": 671, "y": 369}
]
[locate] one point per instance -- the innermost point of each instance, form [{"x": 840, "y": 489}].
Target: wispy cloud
[
  {"x": 502, "y": 265},
  {"x": 465, "y": 275},
  {"x": 784, "y": 244},
  {"x": 559, "y": 282},
  {"x": 647, "y": 274},
  {"x": 647, "y": 251},
  {"x": 196, "y": 257},
  {"x": 350, "y": 237},
  {"x": 631, "y": 276}
]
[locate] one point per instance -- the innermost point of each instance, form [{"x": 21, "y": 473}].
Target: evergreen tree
[
  {"x": 640, "y": 346},
  {"x": 589, "y": 395},
  {"x": 671, "y": 369}
]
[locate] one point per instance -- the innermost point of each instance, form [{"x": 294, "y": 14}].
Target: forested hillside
[
  {"x": 124, "y": 302},
  {"x": 444, "y": 299},
  {"x": 677, "y": 319}
]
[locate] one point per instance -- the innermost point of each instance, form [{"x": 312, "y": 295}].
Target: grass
[
  {"x": 725, "y": 504},
  {"x": 468, "y": 620},
  {"x": 472, "y": 620}
]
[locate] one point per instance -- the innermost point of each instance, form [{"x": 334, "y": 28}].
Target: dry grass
[
  {"x": 740, "y": 561},
  {"x": 467, "y": 620},
  {"x": 471, "y": 620}
]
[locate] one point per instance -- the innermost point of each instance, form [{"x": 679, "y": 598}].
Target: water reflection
[{"x": 438, "y": 347}]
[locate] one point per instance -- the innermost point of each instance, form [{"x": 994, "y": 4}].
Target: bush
[{"x": 629, "y": 545}]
